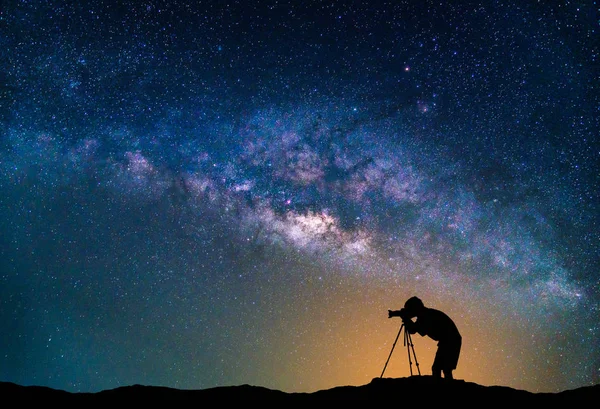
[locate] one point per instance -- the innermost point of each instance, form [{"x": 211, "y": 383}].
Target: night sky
[{"x": 202, "y": 194}]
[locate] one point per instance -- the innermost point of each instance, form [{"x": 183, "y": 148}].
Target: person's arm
[
  {"x": 420, "y": 327},
  {"x": 410, "y": 326}
]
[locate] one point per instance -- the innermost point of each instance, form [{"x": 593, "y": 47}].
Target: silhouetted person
[{"x": 439, "y": 327}]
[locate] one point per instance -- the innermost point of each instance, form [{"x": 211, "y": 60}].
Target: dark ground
[{"x": 411, "y": 389}]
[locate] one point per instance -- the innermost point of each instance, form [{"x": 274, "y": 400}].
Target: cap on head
[{"x": 414, "y": 304}]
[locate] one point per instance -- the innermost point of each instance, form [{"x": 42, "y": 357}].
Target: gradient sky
[{"x": 202, "y": 194}]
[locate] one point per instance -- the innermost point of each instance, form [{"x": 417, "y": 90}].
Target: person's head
[{"x": 413, "y": 306}]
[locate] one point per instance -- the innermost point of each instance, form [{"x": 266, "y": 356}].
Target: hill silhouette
[{"x": 410, "y": 389}]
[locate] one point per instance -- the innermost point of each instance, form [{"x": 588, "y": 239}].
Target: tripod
[{"x": 409, "y": 348}]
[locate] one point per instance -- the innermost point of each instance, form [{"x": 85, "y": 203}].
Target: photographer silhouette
[{"x": 439, "y": 327}]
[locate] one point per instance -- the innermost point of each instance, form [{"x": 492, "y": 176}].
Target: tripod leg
[
  {"x": 393, "y": 346},
  {"x": 407, "y": 343},
  {"x": 414, "y": 354}
]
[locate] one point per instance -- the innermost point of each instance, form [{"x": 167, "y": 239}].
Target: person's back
[{"x": 436, "y": 324}]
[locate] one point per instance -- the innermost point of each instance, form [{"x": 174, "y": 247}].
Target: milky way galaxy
[{"x": 201, "y": 194}]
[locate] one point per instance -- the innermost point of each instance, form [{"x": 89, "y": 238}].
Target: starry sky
[{"x": 215, "y": 193}]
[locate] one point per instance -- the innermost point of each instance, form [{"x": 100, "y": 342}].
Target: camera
[{"x": 402, "y": 313}]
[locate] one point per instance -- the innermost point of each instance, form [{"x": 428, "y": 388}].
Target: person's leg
[
  {"x": 448, "y": 374},
  {"x": 452, "y": 352},
  {"x": 438, "y": 363},
  {"x": 443, "y": 361}
]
